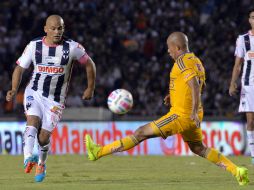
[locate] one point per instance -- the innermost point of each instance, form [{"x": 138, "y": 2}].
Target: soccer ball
[{"x": 120, "y": 101}]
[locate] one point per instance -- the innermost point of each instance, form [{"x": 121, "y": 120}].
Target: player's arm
[
  {"x": 195, "y": 92},
  {"x": 167, "y": 100},
  {"x": 23, "y": 63},
  {"x": 235, "y": 75},
  {"x": 91, "y": 76},
  {"x": 16, "y": 79}
]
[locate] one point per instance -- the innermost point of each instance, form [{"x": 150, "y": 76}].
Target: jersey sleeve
[
  {"x": 188, "y": 74},
  {"x": 80, "y": 54},
  {"x": 239, "y": 50},
  {"x": 26, "y": 58}
]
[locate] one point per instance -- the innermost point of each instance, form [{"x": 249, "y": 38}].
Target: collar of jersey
[
  {"x": 43, "y": 41},
  {"x": 181, "y": 55}
]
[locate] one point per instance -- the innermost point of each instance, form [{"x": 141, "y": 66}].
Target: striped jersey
[
  {"x": 245, "y": 49},
  {"x": 52, "y": 66}
]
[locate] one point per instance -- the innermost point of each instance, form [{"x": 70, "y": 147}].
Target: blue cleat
[
  {"x": 30, "y": 163},
  {"x": 40, "y": 172}
]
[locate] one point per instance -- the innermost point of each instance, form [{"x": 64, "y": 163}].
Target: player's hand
[
  {"x": 10, "y": 95},
  {"x": 88, "y": 94},
  {"x": 194, "y": 117},
  {"x": 233, "y": 89},
  {"x": 167, "y": 100}
]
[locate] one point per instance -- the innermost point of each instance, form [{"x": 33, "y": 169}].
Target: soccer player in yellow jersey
[{"x": 187, "y": 79}]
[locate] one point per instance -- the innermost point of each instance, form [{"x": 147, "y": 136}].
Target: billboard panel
[{"x": 68, "y": 137}]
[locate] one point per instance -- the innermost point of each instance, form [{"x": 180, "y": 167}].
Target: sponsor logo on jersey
[{"x": 50, "y": 69}]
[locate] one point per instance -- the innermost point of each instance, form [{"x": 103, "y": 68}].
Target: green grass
[{"x": 123, "y": 173}]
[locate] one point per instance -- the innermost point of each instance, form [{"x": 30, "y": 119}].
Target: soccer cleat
[
  {"x": 40, "y": 172},
  {"x": 30, "y": 162},
  {"x": 242, "y": 176},
  {"x": 92, "y": 149}
]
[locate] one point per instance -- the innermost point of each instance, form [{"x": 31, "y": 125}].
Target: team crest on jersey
[{"x": 66, "y": 54}]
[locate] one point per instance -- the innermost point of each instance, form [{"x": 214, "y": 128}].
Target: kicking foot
[
  {"x": 242, "y": 176},
  {"x": 92, "y": 148}
]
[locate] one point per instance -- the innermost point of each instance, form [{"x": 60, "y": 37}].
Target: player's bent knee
[
  {"x": 33, "y": 121},
  {"x": 43, "y": 141},
  {"x": 44, "y": 137}
]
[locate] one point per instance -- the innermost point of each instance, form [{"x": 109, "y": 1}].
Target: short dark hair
[{"x": 250, "y": 11}]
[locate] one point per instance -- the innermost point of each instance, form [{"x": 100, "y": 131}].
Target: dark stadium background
[{"x": 127, "y": 40}]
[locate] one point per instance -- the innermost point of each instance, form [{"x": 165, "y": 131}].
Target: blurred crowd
[{"x": 127, "y": 41}]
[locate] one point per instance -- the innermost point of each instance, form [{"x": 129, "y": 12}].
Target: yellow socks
[
  {"x": 118, "y": 146},
  {"x": 220, "y": 160}
]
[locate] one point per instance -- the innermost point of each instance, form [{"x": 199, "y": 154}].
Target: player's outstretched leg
[
  {"x": 220, "y": 160},
  {"x": 29, "y": 137},
  {"x": 95, "y": 151}
]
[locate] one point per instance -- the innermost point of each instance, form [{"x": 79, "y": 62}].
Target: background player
[
  {"x": 52, "y": 57},
  {"x": 187, "y": 78},
  {"x": 244, "y": 53}
]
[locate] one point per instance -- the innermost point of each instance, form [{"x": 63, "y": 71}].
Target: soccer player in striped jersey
[
  {"x": 52, "y": 57},
  {"x": 187, "y": 79},
  {"x": 244, "y": 55}
]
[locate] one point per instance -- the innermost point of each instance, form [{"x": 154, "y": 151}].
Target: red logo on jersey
[{"x": 50, "y": 69}]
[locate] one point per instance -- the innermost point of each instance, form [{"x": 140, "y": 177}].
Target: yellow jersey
[{"x": 185, "y": 68}]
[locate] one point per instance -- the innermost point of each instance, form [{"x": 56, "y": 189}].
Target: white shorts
[
  {"x": 247, "y": 99},
  {"x": 48, "y": 110}
]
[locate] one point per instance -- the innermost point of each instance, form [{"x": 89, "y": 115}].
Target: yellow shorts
[{"x": 173, "y": 123}]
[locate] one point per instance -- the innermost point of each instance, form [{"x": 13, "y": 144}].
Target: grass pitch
[{"x": 71, "y": 172}]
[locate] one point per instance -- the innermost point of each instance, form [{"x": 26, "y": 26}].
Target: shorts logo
[
  {"x": 29, "y": 98},
  {"x": 28, "y": 105}
]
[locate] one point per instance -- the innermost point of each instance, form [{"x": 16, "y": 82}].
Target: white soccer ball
[{"x": 120, "y": 101}]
